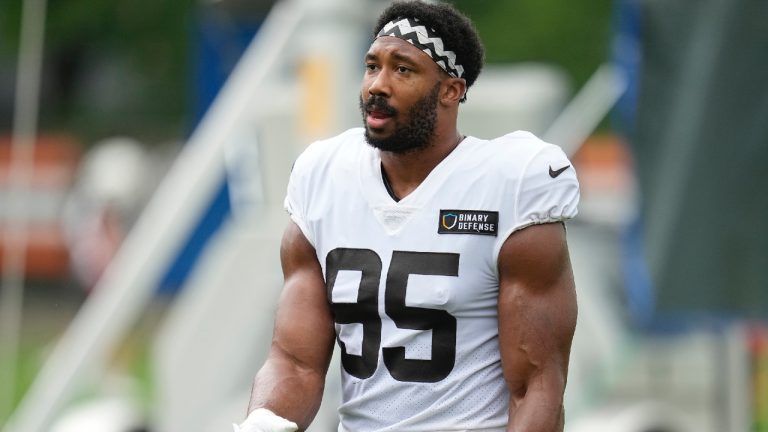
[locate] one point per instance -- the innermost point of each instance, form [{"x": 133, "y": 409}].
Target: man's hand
[{"x": 264, "y": 420}]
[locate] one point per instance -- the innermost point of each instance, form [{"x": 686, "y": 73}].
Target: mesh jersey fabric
[{"x": 416, "y": 309}]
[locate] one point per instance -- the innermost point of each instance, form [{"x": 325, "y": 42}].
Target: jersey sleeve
[
  {"x": 547, "y": 192},
  {"x": 295, "y": 198}
]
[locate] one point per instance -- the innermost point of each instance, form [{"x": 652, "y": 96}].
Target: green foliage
[
  {"x": 131, "y": 25},
  {"x": 151, "y": 38},
  {"x": 10, "y": 13},
  {"x": 574, "y": 35}
]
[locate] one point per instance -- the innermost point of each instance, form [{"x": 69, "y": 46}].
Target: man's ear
[{"x": 453, "y": 91}]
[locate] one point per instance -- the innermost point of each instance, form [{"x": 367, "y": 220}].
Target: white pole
[
  {"x": 587, "y": 109},
  {"x": 26, "y": 108},
  {"x": 129, "y": 281}
]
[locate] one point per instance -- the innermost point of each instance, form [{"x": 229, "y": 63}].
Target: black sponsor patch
[{"x": 468, "y": 222}]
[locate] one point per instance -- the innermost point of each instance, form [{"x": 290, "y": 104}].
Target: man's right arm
[{"x": 291, "y": 382}]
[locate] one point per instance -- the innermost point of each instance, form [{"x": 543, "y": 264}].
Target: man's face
[
  {"x": 412, "y": 133},
  {"x": 399, "y": 96}
]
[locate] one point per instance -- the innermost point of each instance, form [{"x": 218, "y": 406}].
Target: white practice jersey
[{"x": 413, "y": 285}]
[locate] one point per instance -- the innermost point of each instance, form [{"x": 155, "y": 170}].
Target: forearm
[
  {"x": 536, "y": 412},
  {"x": 288, "y": 389}
]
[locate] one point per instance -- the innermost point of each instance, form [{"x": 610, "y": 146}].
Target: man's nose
[{"x": 379, "y": 84}]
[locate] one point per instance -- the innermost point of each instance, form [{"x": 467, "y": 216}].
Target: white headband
[{"x": 426, "y": 40}]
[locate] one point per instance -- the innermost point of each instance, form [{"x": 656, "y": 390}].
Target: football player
[{"x": 436, "y": 261}]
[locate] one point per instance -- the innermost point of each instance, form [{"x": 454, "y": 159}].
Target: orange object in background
[
  {"x": 606, "y": 174},
  {"x": 604, "y": 162},
  {"x": 54, "y": 168}
]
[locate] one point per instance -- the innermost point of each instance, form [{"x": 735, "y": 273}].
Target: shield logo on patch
[{"x": 449, "y": 220}]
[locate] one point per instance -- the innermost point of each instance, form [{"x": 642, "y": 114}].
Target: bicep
[
  {"x": 290, "y": 383},
  {"x": 303, "y": 323},
  {"x": 537, "y": 309}
]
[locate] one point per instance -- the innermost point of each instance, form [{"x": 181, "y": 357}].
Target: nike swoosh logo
[{"x": 555, "y": 173}]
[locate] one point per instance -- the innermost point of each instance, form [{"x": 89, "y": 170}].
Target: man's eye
[
  {"x": 371, "y": 67},
  {"x": 402, "y": 69}
]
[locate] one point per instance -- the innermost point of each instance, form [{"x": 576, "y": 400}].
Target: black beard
[{"x": 412, "y": 136}]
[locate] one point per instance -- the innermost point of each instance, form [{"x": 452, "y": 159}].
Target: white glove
[{"x": 264, "y": 420}]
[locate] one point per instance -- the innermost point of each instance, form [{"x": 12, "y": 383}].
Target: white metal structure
[
  {"x": 14, "y": 231},
  {"x": 132, "y": 277}
]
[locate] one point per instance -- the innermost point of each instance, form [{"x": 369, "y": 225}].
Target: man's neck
[{"x": 406, "y": 171}]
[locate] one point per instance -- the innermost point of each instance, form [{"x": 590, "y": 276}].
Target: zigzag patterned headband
[{"x": 426, "y": 40}]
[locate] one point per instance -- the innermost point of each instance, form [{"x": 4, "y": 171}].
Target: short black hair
[{"x": 456, "y": 29}]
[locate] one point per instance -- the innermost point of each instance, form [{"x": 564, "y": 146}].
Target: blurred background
[{"x": 145, "y": 147}]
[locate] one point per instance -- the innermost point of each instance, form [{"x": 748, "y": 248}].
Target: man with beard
[{"x": 438, "y": 262}]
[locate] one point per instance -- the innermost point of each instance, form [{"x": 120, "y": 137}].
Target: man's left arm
[{"x": 537, "y": 319}]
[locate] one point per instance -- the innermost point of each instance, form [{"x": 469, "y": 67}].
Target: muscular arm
[
  {"x": 537, "y": 318},
  {"x": 291, "y": 382}
]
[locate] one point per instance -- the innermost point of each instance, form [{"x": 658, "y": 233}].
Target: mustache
[{"x": 378, "y": 103}]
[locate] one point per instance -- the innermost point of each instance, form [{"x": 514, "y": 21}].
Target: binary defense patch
[{"x": 468, "y": 222}]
